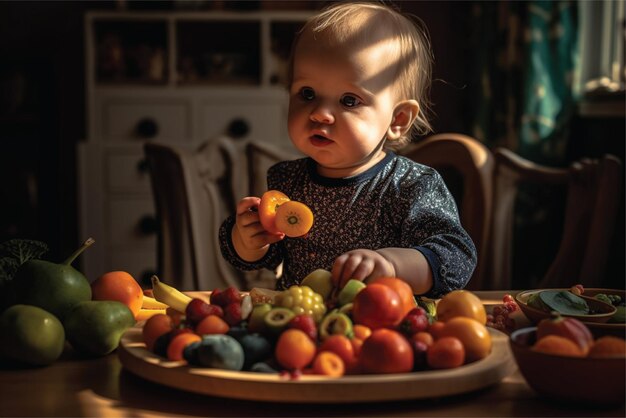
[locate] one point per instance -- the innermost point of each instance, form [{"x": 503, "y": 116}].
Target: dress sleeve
[
  {"x": 270, "y": 260},
  {"x": 433, "y": 228}
]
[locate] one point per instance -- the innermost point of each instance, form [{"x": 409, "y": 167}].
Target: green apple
[
  {"x": 319, "y": 280},
  {"x": 349, "y": 291}
]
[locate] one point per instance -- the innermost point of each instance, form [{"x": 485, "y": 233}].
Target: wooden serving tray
[{"x": 316, "y": 389}]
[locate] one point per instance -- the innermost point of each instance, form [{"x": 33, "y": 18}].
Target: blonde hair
[{"x": 360, "y": 23}]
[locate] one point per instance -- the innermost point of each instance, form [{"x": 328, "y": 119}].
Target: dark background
[{"x": 42, "y": 58}]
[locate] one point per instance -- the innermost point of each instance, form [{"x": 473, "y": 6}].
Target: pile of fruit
[
  {"x": 570, "y": 337},
  {"x": 314, "y": 328},
  {"x": 46, "y": 304}
]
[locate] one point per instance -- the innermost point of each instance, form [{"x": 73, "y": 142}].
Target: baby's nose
[{"x": 322, "y": 114}]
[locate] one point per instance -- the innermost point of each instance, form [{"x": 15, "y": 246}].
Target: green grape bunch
[{"x": 302, "y": 300}]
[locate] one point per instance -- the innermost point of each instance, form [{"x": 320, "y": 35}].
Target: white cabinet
[{"x": 177, "y": 77}]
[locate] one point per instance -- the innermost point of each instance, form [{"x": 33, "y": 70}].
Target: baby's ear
[{"x": 404, "y": 114}]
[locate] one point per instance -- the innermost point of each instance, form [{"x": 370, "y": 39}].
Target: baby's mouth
[{"x": 319, "y": 140}]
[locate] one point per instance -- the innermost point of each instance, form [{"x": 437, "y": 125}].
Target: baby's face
[{"x": 341, "y": 104}]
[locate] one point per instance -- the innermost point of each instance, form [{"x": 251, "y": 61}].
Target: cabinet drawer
[
  {"x": 142, "y": 120},
  {"x": 131, "y": 223},
  {"x": 126, "y": 171},
  {"x": 263, "y": 121}
]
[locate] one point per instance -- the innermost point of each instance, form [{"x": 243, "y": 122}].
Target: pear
[
  {"x": 320, "y": 282},
  {"x": 31, "y": 335},
  {"x": 94, "y": 327},
  {"x": 53, "y": 287}
]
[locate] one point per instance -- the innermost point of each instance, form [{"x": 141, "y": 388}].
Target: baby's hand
[
  {"x": 361, "y": 265},
  {"x": 250, "y": 232}
]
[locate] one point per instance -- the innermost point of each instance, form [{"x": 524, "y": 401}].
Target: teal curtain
[
  {"x": 522, "y": 98},
  {"x": 549, "y": 87},
  {"x": 526, "y": 55}
]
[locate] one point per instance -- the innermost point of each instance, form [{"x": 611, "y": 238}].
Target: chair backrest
[
  {"x": 192, "y": 195},
  {"x": 260, "y": 156},
  {"x": 466, "y": 166},
  {"x": 592, "y": 196}
]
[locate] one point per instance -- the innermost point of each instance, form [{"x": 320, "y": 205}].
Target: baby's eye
[
  {"x": 307, "y": 93},
  {"x": 349, "y": 101}
]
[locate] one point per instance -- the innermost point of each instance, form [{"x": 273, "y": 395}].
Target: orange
[
  {"x": 386, "y": 351},
  {"x": 294, "y": 349},
  {"x": 329, "y": 364},
  {"x": 474, "y": 336},
  {"x": 561, "y": 346},
  {"x": 608, "y": 346},
  {"x": 154, "y": 327},
  {"x": 402, "y": 288},
  {"x": 461, "y": 303},
  {"x": 212, "y": 324},
  {"x": 294, "y": 219},
  {"x": 446, "y": 353},
  {"x": 424, "y": 337},
  {"x": 177, "y": 345},
  {"x": 340, "y": 345},
  {"x": 361, "y": 331},
  {"x": 270, "y": 201},
  {"x": 119, "y": 286}
]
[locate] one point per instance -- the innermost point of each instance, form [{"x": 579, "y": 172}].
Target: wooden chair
[
  {"x": 593, "y": 190},
  {"x": 466, "y": 166},
  {"x": 193, "y": 195}
]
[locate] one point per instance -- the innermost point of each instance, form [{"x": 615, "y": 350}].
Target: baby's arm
[
  {"x": 406, "y": 263},
  {"x": 250, "y": 240}
]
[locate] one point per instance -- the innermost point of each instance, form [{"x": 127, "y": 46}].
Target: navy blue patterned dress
[{"x": 396, "y": 203}]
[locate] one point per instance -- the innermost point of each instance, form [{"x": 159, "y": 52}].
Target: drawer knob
[
  {"x": 147, "y": 128},
  {"x": 238, "y": 128},
  {"x": 148, "y": 225},
  {"x": 143, "y": 166}
]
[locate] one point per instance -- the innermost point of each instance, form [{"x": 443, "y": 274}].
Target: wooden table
[{"x": 77, "y": 386}]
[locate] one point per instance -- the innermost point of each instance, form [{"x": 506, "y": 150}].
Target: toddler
[{"x": 358, "y": 83}]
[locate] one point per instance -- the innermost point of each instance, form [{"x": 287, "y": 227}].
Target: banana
[
  {"x": 152, "y": 303},
  {"x": 145, "y": 314},
  {"x": 169, "y": 295}
]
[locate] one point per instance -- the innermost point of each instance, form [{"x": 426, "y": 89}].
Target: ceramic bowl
[
  {"x": 603, "y": 311},
  {"x": 577, "y": 380}
]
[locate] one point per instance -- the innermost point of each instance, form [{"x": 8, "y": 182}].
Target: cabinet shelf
[{"x": 176, "y": 77}]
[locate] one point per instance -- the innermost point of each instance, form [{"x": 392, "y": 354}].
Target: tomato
[
  {"x": 154, "y": 327},
  {"x": 403, "y": 288},
  {"x": 270, "y": 201},
  {"x": 446, "y": 353},
  {"x": 474, "y": 336},
  {"x": 212, "y": 324},
  {"x": 386, "y": 351},
  {"x": 461, "y": 303},
  {"x": 377, "y": 306},
  {"x": 435, "y": 329}
]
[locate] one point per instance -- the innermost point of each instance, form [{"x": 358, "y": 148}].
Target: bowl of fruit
[
  {"x": 315, "y": 343},
  {"x": 560, "y": 360},
  {"x": 539, "y": 304}
]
